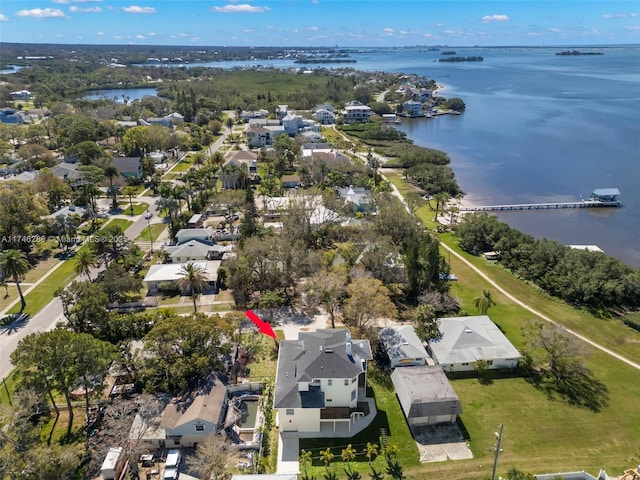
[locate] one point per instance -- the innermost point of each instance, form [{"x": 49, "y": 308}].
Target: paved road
[{"x": 51, "y": 314}]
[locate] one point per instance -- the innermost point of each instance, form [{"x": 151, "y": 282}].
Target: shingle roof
[
  {"x": 402, "y": 342},
  {"x": 468, "y": 339},
  {"x": 319, "y": 354},
  {"x": 206, "y": 404},
  {"x": 425, "y": 391}
]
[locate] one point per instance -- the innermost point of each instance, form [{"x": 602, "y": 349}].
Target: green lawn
[
  {"x": 156, "y": 230},
  {"x": 171, "y": 176},
  {"x": 61, "y": 277},
  {"x": 543, "y": 432},
  {"x": 138, "y": 208}
]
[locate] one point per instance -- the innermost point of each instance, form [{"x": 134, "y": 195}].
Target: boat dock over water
[{"x": 603, "y": 197}]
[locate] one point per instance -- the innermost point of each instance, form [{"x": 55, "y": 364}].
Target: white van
[{"x": 171, "y": 465}]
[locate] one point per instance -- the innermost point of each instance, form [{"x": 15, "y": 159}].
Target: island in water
[
  {"x": 461, "y": 59},
  {"x": 577, "y": 53}
]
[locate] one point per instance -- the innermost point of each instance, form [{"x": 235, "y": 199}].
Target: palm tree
[
  {"x": 14, "y": 264},
  {"x": 130, "y": 191},
  {"x": 348, "y": 454},
  {"x": 326, "y": 456},
  {"x": 371, "y": 451},
  {"x": 111, "y": 171},
  {"x": 85, "y": 261},
  {"x": 484, "y": 302},
  {"x": 193, "y": 279},
  {"x": 305, "y": 459}
]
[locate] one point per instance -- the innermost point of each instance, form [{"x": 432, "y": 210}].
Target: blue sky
[{"x": 321, "y": 22}]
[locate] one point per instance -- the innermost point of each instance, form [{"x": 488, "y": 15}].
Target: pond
[{"x": 120, "y": 95}]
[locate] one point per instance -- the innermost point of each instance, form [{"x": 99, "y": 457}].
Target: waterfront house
[
  {"x": 20, "y": 95},
  {"x": 356, "y": 112},
  {"x": 324, "y": 116},
  {"x": 412, "y": 108},
  {"x": 465, "y": 340},
  {"x": 321, "y": 381}
]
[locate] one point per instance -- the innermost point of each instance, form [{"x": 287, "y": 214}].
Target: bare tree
[{"x": 214, "y": 458}]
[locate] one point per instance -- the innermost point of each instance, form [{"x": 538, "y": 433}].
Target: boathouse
[{"x": 606, "y": 195}]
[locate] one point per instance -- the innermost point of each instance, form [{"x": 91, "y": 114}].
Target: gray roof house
[
  {"x": 186, "y": 420},
  {"x": 360, "y": 197},
  {"x": 403, "y": 346},
  {"x": 465, "y": 340},
  {"x": 128, "y": 166},
  {"x": 191, "y": 250},
  {"x": 204, "y": 235},
  {"x": 321, "y": 383},
  {"x": 425, "y": 395}
]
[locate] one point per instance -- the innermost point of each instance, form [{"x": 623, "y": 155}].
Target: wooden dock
[{"x": 542, "y": 206}]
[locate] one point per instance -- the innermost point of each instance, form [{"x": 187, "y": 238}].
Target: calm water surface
[
  {"x": 121, "y": 94},
  {"x": 538, "y": 127}
]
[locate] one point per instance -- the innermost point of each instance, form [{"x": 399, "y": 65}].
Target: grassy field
[
  {"x": 156, "y": 230},
  {"x": 543, "y": 431},
  {"x": 138, "y": 208}
]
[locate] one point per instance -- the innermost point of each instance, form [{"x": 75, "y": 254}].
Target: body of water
[
  {"x": 121, "y": 95},
  {"x": 538, "y": 128},
  {"x": 541, "y": 128}
]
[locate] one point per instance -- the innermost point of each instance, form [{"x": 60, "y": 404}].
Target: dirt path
[{"x": 521, "y": 303}]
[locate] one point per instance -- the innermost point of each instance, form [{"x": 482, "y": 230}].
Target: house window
[
  {"x": 289, "y": 411},
  {"x": 176, "y": 441},
  {"x": 353, "y": 395},
  {"x": 329, "y": 400},
  {"x": 329, "y": 382},
  {"x": 489, "y": 362},
  {"x": 346, "y": 382},
  {"x": 465, "y": 363},
  {"x": 199, "y": 428}
]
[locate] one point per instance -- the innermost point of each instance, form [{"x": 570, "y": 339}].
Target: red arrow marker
[{"x": 263, "y": 327}]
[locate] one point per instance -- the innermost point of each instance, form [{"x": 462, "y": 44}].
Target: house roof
[
  {"x": 468, "y": 339},
  {"x": 319, "y": 354},
  {"x": 606, "y": 192},
  {"x": 425, "y": 391},
  {"x": 170, "y": 272},
  {"x": 194, "y": 233},
  {"x": 66, "y": 171},
  {"x": 69, "y": 210},
  {"x": 241, "y": 155},
  {"x": 402, "y": 342},
  {"x": 192, "y": 248},
  {"x": 127, "y": 164},
  {"x": 204, "y": 404},
  {"x": 357, "y": 195}
]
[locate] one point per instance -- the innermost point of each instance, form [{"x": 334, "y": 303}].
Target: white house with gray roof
[
  {"x": 465, "y": 340},
  {"x": 321, "y": 383},
  {"x": 403, "y": 346}
]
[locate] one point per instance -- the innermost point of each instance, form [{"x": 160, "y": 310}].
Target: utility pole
[{"x": 498, "y": 450}]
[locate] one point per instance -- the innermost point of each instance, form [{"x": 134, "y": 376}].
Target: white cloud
[
  {"x": 315, "y": 2},
  {"x": 403, "y": 32},
  {"x": 495, "y": 18},
  {"x": 151, "y": 34},
  {"x": 313, "y": 29},
  {"x": 555, "y": 30},
  {"x": 3, "y": 18},
  {"x": 99, "y": 34},
  {"x": 249, "y": 30},
  {"x": 41, "y": 13},
  {"x": 632, "y": 27},
  {"x": 389, "y": 31},
  {"x": 184, "y": 34},
  {"x": 241, "y": 8},
  {"x": 534, "y": 34},
  {"x": 117, "y": 37},
  {"x": 137, "y": 9},
  {"x": 140, "y": 37},
  {"x": 73, "y": 8},
  {"x": 75, "y": 1},
  {"x": 620, "y": 15}
]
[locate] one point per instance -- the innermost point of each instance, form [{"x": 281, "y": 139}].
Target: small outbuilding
[
  {"x": 403, "y": 346},
  {"x": 425, "y": 395},
  {"x": 113, "y": 464}
]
